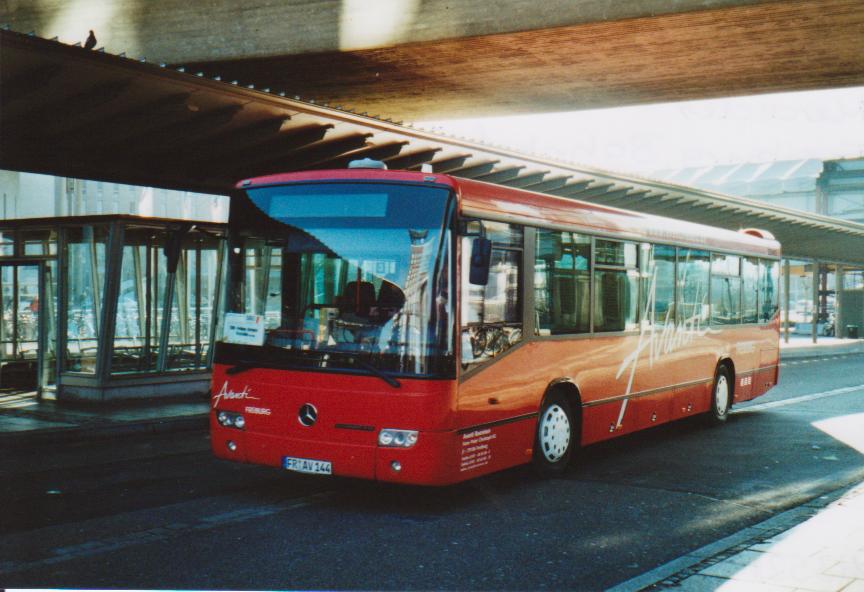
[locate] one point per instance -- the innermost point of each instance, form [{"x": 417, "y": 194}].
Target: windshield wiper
[{"x": 379, "y": 373}]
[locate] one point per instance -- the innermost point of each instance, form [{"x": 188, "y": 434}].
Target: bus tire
[
  {"x": 721, "y": 396},
  {"x": 555, "y": 436}
]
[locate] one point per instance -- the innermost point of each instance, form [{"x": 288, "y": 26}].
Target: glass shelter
[{"x": 108, "y": 307}]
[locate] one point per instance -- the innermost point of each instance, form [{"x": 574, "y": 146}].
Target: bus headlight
[
  {"x": 397, "y": 438},
  {"x": 231, "y": 420}
]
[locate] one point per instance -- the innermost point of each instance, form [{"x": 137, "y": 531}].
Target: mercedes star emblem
[{"x": 307, "y": 415}]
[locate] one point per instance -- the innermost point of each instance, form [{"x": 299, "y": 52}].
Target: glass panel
[
  {"x": 506, "y": 235},
  {"x": 826, "y": 279},
  {"x": 39, "y": 242},
  {"x": 7, "y": 306},
  {"x": 615, "y": 253},
  {"x": 138, "y": 324},
  {"x": 725, "y": 264},
  {"x": 562, "y": 283},
  {"x": 498, "y": 300},
  {"x": 769, "y": 279},
  {"x": 616, "y": 295},
  {"x": 264, "y": 269},
  {"x": 7, "y": 243},
  {"x": 49, "y": 312},
  {"x": 749, "y": 287},
  {"x": 853, "y": 279},
  {"x": 28, "y": 311},
  {"x": 194, "y": 298},
  {"x": 492, "y": 314},
  {"x": 85, "y": 272},
  {"x": 693, "y": 276},
  {"x": 725, "y": 289},
  {"x": 725, "y": 300},
  {"x": 19, "y": 329},
  {"x": 658, "y": 287}
]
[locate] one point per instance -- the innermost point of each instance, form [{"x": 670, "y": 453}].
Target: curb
[
  {"x": 104, "y": 430},
  {"x": 672, "y": 573}
]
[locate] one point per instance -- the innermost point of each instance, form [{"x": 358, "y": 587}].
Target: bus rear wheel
[
  {"x": 555, "y": 436},
  {"x": 721, "y": 396}
]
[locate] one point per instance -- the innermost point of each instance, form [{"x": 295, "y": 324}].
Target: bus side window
[
  {"x": 750, "y": 289},
  {"x": 492, "y": 314},
  {"x": 658, "y": 284},
  {"x": 769, "y": 280},
  {"x": 616, "y": 286},
  {"x": 562, "y": 283},
  {"x": 693, "y": 278},
  {"x": 725, "y": 289}
]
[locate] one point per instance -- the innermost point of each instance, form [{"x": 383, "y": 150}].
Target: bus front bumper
[{"x": 433, "y": 460}]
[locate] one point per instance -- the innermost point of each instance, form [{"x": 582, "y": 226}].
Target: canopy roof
[{"x": 72, "y": 112}]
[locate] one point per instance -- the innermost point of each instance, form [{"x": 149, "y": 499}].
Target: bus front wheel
[
  {"x": 555, "y": 437},
  {"x": 721, "y": 396}
]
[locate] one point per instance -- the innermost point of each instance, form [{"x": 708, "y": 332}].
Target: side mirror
[{"x": 481, "y": 256}]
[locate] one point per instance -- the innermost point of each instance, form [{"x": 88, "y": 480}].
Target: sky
[{"x": 642, "y": 139}]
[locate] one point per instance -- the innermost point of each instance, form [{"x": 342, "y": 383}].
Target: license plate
[{"x": 307, "y": 465}]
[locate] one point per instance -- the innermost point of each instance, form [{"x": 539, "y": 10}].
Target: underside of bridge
[{"x": 429, "y": 59}]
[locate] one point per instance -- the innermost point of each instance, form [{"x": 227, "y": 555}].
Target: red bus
[{"x": 419, "y": 328}]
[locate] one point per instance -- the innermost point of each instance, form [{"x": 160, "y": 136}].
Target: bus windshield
[{"x": 342, "y": 275}]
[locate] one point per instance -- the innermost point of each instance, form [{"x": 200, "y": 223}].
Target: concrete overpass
[{"x": 425, "y": 59}]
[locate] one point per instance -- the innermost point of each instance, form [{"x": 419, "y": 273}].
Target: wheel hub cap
[
  {"x": 554, "y": 433},
  {"x": 721, "y": 396}
]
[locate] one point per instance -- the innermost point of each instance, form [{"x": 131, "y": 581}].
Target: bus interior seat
[
  {"x": 358, "y": 299},
  {"x": 391, "y": 298}
]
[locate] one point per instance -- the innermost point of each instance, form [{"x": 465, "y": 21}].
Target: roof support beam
[
  {"x": 530, "y": 178},
  {"x": 475, "y": 169},
  {"x": 501, "y": 175},
  {"x": 310, "y": 155},
  {"x": 623, "y": 199},
  {"x": 159, "y": 141},
  {"x": 411, "y": 160},
  {"x": 273, "y": 150},
  {"x": 593, "y": 191},
  {"x": 241, "y": 138},
  {"x": 549, "y": 184},
  {"x": 449, "y": 163},
  {"x": 571, "y": 188},
  {"x": 375, "y": 152}
]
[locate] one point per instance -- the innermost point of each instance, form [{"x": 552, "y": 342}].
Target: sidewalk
[
  {"x": 24, "y": 420},
  {"x": 801, "y": 346},
  {"x": 817, "y": 547}
]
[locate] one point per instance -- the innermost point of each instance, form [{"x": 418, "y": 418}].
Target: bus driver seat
[{"x": 358, "y": 299}]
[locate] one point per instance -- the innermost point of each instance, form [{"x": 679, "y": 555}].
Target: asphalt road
[{"x": 159, "y": 512}]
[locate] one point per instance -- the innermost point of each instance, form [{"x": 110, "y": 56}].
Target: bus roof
[{"x": 495, "y": 202}]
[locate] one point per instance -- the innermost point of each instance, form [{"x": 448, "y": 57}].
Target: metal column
[
  {"x": 786, "y": 297},
  {"x": 815, "y": 315}
]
